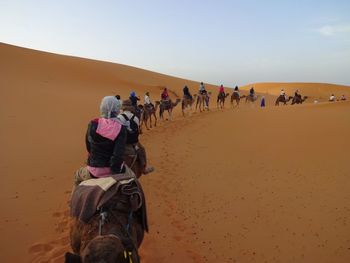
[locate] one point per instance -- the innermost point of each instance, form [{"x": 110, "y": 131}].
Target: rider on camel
[
  {"x": 187, "y": 93},
  {"x": 202, "y": 89},
  {"x": 132, "y": 123},
  {"x": 105, "y": 143},
  {"x": 252, "y": 92},
  {"x": 148, "y": 102},
  {"x": 283, "y": 93},
  {"x": 165, "y": 95},
  {"x": 221, "y": 91},
  {"x": 332, "y": 98},
  {"x": 133, "y": 98},
  {"x": 297, "y": 95}
]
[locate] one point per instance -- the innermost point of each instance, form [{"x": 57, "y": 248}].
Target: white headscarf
[{"x": 110, "y": 107}]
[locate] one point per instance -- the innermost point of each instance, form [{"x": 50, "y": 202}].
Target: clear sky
[{"x": 230, "y": 42}]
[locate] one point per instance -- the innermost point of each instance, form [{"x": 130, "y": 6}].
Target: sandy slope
[{"x": 244, "y": 184}]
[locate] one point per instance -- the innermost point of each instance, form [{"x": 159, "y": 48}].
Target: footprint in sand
[
  {"x": 40, "y": 247},
  {"x": 57, "y": 214}
]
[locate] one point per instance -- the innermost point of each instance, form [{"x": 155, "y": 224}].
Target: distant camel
[
  {"x": 167, "y": 105},
  {"x": 147, "y": 112},
  {"x": 298, "y": 99},
  {"x": 187, "y": 102},
  {"x": 221, "y": 100},
  {"x": 207, "y": 99},
  {"x": 250, "y": 98},
  {"x": 203, "y": 101},
  {"x": 236, "y": 97},
  {"x": 283, "y": 100}
]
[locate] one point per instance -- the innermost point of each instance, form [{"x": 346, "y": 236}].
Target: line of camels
[{"x": 202, "y": 103}]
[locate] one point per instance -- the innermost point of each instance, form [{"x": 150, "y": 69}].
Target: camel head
[
  {"x": 176, "y": 102},
  {"x": 227, "y": 94},
  {"x": 195, "y": 96},
  {"x": 157, "y": 103},
  {"x": 102, "y": 249}
]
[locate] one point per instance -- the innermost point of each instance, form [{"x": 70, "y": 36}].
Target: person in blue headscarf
[{"x": 134, "y": 99}]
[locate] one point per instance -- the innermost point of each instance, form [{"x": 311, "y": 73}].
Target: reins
[{"x": 128, "y": 253}]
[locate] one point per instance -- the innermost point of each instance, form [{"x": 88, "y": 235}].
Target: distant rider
[
  {"x": 187, "y": 93},
  {"x": 165, "y": 95},
  {"x": 252, "y": 92},
  {"x": 221, "y": 91},
  {"x": 202, "y": 89}
]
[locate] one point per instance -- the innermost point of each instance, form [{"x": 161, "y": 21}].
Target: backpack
[{"x": 132, "y": 130}]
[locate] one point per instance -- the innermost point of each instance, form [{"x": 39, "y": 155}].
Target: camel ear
[{"x": 72, "y": 258}]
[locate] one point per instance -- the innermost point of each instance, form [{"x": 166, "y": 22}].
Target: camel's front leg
[
  {"x": 170, "y": 114},
  {"x": 155, "y": 118},
  {"x": 150, "y": 121}
]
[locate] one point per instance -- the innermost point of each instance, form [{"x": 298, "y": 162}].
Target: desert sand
[{"x": 233, "y": 185}]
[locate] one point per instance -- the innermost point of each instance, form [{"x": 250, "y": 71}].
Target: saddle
[
  {"x": 166, "y": 103},
  {"x": 283, "y": 97},
  {"x": 149, "y": 107},
  {"x": 235, "y": 94},
  {"x": 119, "y": 192},
  {"x": 187, "y": 97}
]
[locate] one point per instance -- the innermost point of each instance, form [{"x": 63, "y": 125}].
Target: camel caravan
[
  {"x": 149, "y": 112},
  {"x": 108, "y": 205},
  {"x": 283, "y": 98}
]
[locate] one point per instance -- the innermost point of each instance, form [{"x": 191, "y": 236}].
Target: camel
[
  {"x": 187, "y": 103},
  {"x": 117, "y": 228},
  {"x": 283, "y": 100},
  {"x": 203, "y": 101},
  {"x": 236, "y": 97},
  {"x": 147, "y": 113},
  {"x": 167, "y": 106},
  {"x": 221, "y": 100},
  {"x": 251, "y": 98},
  {"x": 298, "y": 99}
]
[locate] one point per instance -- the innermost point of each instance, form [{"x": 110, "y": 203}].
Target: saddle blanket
[{"x": 90, "y": 195}]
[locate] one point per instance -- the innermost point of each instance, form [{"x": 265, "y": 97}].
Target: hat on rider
[
  {"x": 110, "y": 107},
  {"x": 133, "y": 94}
]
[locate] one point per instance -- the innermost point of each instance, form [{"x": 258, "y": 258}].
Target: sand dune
[
  {"x": 315, "y": 91},
  {"x": 239, "y": 185}
]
